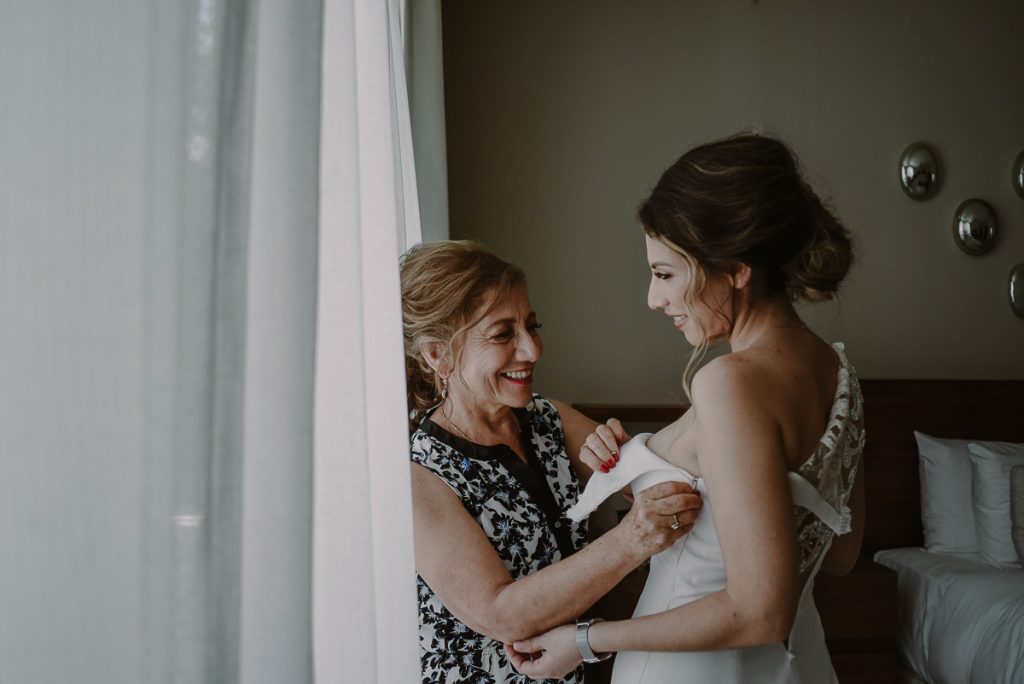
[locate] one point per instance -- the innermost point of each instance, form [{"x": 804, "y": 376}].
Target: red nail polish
[
  {"x": 616, "y": 457},
  {"x": 604, "y": 468}
]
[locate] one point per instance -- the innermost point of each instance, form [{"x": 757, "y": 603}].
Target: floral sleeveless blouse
[{"x": 520, "y": 508}]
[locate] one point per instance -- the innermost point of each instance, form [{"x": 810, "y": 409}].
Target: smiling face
[
  {"x": 498, "y": 354},
  {"x": 700, "y": 304}
]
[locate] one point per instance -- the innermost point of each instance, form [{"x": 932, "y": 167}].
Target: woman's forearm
[
  {"x": 562, "y": 591},
  {"x": 717, "y": 621},
  {"x": 461, "y": 566}
]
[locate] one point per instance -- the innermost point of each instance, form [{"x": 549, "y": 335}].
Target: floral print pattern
[{"x": 517, "y": 526}]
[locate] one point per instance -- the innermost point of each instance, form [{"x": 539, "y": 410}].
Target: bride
[{"x": 772, "y": 442}]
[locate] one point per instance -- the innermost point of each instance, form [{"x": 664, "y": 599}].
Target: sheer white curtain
[
  {"x": 176, "y": 198},
  {"x": 364, "y": 599}
]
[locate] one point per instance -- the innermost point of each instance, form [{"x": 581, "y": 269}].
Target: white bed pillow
[
  {"x": 947, "y": 515},
  {"x": 991, "y": 463},
  {"x": 1017, "y": 509}
]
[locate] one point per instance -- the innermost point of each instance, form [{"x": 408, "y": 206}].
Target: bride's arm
[{"x": 743, "y": 463}]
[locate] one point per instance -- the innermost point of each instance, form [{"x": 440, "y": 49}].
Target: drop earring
[{"x": 444, "y": 389}]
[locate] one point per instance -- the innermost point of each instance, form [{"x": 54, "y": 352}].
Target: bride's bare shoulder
[
  {"x": 769, "y": 385},
  {"x": 734, "y": 376}
]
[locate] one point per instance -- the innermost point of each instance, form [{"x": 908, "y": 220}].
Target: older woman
[
  {"x": 772, "y": 442},
  {"x": 495, "y": 467}
]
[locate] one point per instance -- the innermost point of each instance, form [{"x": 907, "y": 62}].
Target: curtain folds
[
  {"x": 230, "y": 319},
  {"x": 203, "y": 448},
  {"x": 364, "y": 614}
]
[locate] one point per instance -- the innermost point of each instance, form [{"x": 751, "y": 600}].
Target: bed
[
  {"x": 960, "y": 614},
  {"x": 961, "y": 620},
  {"x": 884, "y": 622}
]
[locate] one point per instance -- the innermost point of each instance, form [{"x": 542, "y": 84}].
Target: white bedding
[{"x": 961, "y": 620}]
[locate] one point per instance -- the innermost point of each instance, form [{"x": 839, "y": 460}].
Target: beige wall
[{"x": 561, "y": 115}]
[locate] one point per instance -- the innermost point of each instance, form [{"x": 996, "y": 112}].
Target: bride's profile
[{"x": 772, "y": 441}]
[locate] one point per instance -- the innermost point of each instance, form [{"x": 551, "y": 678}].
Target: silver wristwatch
[{"x": 583, "y": 642}]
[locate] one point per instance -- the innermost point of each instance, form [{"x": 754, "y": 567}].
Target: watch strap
[{"x": 583, "y": 642}]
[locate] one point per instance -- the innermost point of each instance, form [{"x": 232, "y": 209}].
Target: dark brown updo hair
[
  {"x": 447, "y": 288},
  {"x": 742, "y": 200}
]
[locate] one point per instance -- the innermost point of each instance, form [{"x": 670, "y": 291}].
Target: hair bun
[{"x": 815, "y": 273}]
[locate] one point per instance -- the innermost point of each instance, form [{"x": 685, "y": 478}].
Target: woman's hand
[
  {"x": 551, "y": 655},
  {"x": 600, "y": 451},
  {"x": 648, "y": 525}
]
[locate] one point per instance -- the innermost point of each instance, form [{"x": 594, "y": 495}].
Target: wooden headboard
[{"x": 893, "y": 409}]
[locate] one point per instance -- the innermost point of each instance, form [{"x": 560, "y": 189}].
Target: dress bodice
[
  {"x": 693, "y": 566},
  {"x": 821, "y": 509}
]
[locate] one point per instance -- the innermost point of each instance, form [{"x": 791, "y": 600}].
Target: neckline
[
  {"x": 480, "y": 452},
  {"x": 643, "y": 443}
]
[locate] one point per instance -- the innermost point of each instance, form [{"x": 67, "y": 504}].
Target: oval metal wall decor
[
  {"x": 1017, "y": 289},
  {"x": 975, "y": 227},
  {"x": 1018, "y": 175},
  {"x": 920, "y": 171}
]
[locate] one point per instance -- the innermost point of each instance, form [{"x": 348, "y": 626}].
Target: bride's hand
[
  {"x": 600, "y": 450},
  {"x": 551, "y": 655}
]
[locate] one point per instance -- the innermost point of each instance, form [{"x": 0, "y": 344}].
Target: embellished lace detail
[{"x": 832, "y": 468}]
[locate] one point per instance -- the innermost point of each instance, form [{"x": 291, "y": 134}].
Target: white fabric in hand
[{"x": 638, "y": 466}]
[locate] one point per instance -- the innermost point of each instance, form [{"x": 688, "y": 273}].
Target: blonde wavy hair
[{"x": 447, "y": 288}]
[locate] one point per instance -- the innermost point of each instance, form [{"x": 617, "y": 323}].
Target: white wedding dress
[{"x": 693, "y": 567}]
